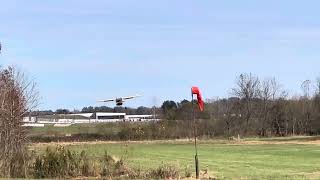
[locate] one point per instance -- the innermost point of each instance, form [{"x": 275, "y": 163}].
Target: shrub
[
  {"x": 187, "y": 172},
  {"x": 60, "y": 162},
  {"x": 164, "y": 172},
  {"x": 107, "y": 165}
]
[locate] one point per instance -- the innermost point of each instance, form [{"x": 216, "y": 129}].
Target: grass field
[{"x": 271, "y": 159}]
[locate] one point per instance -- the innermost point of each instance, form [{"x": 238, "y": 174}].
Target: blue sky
[{"x": 80, "y": 51}]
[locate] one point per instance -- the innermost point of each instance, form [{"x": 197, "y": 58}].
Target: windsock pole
[{"x": 195, "y": 138}]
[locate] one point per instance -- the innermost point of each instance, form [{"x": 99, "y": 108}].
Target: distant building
[
  {"x": 110, "y": 117},
  {"x": 138, "y": 118},
  {"x": 62, "y": 120}
]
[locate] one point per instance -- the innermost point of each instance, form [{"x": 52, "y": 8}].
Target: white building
[
  {"x": 85, "y": 118},
  {"x": 138, "y": 118},
  {"x": 110, "y": 117}
]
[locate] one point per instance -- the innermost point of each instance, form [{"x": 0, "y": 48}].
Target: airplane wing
[
  {"x": 131, "y": 97},
  {"x": 106, "y": 100}
]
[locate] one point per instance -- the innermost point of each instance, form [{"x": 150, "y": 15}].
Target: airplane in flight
[{"x": 119, "y": 101}]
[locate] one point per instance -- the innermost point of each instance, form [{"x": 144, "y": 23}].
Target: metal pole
[{"x": 195, "y": 139}]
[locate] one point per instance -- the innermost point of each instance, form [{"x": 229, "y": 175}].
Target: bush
[
  {"x": 164, "y": 172},
  {"x": 187, "y": 172},
  {"x": 60, "y": 162},
  {"x": 107, "y": 165}
]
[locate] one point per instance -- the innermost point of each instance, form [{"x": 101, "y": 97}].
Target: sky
[{"x": 79, "y": 51}]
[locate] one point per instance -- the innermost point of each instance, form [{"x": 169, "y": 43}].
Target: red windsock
[{"x": 195, "y": 90}]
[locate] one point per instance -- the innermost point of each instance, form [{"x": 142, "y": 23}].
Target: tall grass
[{"x": 60, "y": 162}]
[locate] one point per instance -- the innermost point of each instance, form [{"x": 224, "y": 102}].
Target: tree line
[
  {"x": 255, "y": 106},
  {"x": 259, "y": 107}
]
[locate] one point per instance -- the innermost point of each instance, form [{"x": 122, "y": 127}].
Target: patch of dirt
[
  {"x": 315, "y": 142},
  {"x": 313, "y": 175},
  {"x": 111, "y": 142},
  {"x": 72, "y": 143}
]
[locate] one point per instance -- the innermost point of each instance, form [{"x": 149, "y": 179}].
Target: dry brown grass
[
  {"x": 183, "y": 141},
  {"x": 313, "y": 142}
]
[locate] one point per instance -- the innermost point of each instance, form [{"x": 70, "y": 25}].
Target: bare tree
[
  {"x": 17, "y": 97},
  {"x": 317, "y": 86},
  {"x": 224, "y": 108},
  {"x": 279, "y": 115},
  {"x": 229, "y": 113},
  {"x": 306, "y": 105},
  {"x": 268, "y": 92},
  {"x": 316, "y": 99},
  {"x": 247, "y": 89}
]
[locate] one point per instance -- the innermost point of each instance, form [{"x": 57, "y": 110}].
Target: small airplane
[{"x": 121, "y": 100}]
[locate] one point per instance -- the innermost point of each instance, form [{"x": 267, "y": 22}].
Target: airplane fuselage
[{"x": 119, "y": 101}]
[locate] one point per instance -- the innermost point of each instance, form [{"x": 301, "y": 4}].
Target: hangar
[{"x": 83, "y": 118}]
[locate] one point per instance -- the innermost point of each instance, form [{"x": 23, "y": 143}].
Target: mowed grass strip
[{"x": 268, "y": 161}]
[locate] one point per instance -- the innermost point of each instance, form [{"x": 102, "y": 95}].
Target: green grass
[{"x": 229, "y": 161}]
